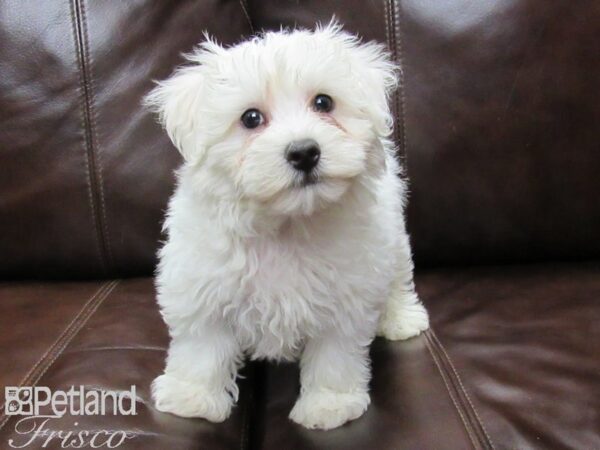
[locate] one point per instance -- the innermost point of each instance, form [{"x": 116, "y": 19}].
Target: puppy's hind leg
[{"x": 403, "y": 316}]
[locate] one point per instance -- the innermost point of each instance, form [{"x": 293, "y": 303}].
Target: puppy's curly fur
[{"x": 258, "y": 261}]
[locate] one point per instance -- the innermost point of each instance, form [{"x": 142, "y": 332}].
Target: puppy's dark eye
[
  {"x": 252, "y": 118},
  {"x": 323, "y": 103}
]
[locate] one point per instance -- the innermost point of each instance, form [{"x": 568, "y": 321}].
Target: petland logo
[{"x": 34, "y": 426}]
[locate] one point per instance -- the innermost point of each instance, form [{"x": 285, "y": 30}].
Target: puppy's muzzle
[{"x": 303, "y": 155}]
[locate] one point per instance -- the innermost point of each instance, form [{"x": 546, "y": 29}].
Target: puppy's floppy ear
[
  {"x": 178, "y": 100},
  {"x": 378, "y": 77}
]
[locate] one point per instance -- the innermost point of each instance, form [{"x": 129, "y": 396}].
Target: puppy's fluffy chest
[
  {"x": 298, "y": 284},
  {"x": 281, "y": 300}
]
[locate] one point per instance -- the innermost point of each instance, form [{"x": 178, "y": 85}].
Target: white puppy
[{"x": 286, "y": 236}]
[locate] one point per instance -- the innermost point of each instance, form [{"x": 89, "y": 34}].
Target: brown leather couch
[{"x": 498, "y": 124}]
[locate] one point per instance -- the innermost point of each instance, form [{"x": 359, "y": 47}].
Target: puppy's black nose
[{"x": 303, "y": 155}]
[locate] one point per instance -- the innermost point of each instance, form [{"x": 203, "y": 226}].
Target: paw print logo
[{"x": 13, "y": 407}]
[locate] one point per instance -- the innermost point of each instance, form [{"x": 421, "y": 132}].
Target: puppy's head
[{"x": 289, "y": 119}]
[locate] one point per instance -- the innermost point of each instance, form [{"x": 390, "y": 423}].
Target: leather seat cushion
[
  {"x": 104, "y": 336},
  {"x": 511, "y": 361}
]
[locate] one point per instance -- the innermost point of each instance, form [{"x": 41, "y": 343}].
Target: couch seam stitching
[
  {"x": 449, "y": 390},
  {"x": 101, "y": 293},
  {"x": 89, "y": 313},
  {"x": 94, "y": 176},
  {"x": 244, "y": 5},
  {"x": 60, "y": 336},
  {"x": 466, "y": 394},
  {"x": 386, "y": 23},
  {"x": 65, "y": 331},
  {"x": 94, "y": 131},
  {"x": 401, "y": 98},
  {"x": 88, "y": 175},
  {"x": 392, "y": 49}
]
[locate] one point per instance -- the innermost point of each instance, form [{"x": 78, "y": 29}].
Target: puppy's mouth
[{"x": 307, "y": 179}]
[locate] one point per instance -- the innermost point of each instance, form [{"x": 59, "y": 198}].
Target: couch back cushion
[
  {"x": 85, "y": 173},
  {"x": 497, "y": 124},
  {"x": 502, "y": 123}
]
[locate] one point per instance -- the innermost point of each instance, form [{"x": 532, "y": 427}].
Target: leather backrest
[
  {"x": 502, "y": 120},
  {"x": 85, "y": 173},
  {"x": 497, "y": 123}
]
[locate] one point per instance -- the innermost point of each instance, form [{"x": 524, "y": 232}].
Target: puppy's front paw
[
  {"x": 190, "y": 400},
  {"x": 403, "y": 320},
  {"x": 326, "y": 409}
]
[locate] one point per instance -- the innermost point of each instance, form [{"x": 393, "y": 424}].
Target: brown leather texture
[
  {"x": 108, "y": 336},
  {"x": 521, "y": 343},
  {"x": 497, "y": 120},
  {"x": 512, "y": 361},
  {"x": 408, "y": 401},
  {"x": 502, "y": 110},
  {"x": 85, "y": 172}
]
